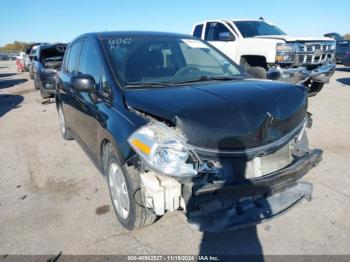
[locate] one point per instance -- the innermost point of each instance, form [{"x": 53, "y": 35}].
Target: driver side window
[
  {"x": 89, "y": 62},
  {"x": 213, "y": 31}
]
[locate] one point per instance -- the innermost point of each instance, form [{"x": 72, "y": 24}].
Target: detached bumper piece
[
  {"x": 249, "y": 212},
  {"x": 219, "y": 207},
  {"x": 300, "y": 75}
]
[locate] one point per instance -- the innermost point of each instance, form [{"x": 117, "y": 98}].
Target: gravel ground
[{"x": 53, "y": 199}]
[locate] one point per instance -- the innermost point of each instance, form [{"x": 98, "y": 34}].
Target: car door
[
  {"x": 69, "y": 69},
  {"x": 213, "y": 30},
  {"x": 86, "y": 110}
]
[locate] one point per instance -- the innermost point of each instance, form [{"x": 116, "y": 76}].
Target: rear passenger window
[
  {"x": 198, "y": 31},
  {"x": 89, "y": 62},
  {"x": 73, "y": 58}
]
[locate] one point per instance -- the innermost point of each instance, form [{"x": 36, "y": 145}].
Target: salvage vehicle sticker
[
  {"x": 194, "y": 43},
  {"x": 119, "y": 42}
]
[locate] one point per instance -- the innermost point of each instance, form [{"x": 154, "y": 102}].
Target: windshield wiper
[
  {"x": 172, "y": 83},
  {"x": 209, "y": 78},
  {"x": 146, "y": 85}
]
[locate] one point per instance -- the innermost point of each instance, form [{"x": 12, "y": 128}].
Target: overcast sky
[{"x": 62, "y": 20}]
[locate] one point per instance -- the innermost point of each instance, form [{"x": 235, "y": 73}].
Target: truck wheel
[
  {"x": 125, "y": 192},
  {"x": 257, "y": 71},
  {"x": 314, "y": 88},
  {"x": 65, "y": 132}
]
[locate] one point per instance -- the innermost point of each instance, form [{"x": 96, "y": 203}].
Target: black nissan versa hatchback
[{"x": 173, "y": 124}]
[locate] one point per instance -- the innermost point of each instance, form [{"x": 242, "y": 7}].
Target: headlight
[
  {"x": 285, "y": 53},
  {"x": 285, "y": 47},
  {"x": 163, "y": 150}
]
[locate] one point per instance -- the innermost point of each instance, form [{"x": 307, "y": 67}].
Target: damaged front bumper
[
  {"x": 220, "y": 206},
  {"x": 301, "y": 75}
]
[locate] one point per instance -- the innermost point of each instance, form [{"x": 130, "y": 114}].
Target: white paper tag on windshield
[{"x": 194, "y": 43}]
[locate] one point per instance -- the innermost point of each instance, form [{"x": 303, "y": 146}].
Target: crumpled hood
[
  {"x": 289, "y": 38},
  {"x": 226, "y": 115}
]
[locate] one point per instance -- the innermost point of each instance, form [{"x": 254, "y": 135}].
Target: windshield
[
  {"x": 137, "y": 60},
  {"x": 257, "y": 28}
]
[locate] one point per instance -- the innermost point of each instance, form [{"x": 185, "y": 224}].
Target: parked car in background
[
  {"x": 175, "y": 124},
  {"x": 265, "y": 51},
  {"x": 46, "y": 61},
  {"x": 4, "y": 57},
  {"x": 20, "y": 65},
  {"x": 32, "y": 52},
  {"x": 346, "y": 58},
  {"x": 341, "y": 47},
  {"x": 26, "y": 58}
]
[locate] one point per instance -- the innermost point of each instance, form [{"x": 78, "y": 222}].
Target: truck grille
[{"x": 315, "y": 53}]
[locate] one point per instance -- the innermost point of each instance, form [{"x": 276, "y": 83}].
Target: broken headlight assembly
[{"x": 163, "y": 150}]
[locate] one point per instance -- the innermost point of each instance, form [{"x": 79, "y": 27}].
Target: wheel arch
[
  {"x": 123, "y": 150},
  {"x": 253, "y": 60}
]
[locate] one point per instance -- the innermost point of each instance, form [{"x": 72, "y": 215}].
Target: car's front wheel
[
  {"x": 65, "y": 132},
  {"x": 125, "y": 192}
]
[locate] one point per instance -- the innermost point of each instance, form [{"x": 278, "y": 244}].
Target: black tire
[
  {"x": 65, "y": 132},
  {"x": 255, "y": 70},
  {"x": 138, "y": 216},
  {"x": 315, "y": 88}
]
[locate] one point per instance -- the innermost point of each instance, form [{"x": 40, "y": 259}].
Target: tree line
[
  {"x": 15, "y": 47},
  {"x": 18, "y": 46},
  {"x": 347, "y": 37}
]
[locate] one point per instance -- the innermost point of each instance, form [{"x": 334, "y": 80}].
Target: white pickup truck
[{"x": 265, "y": 51}]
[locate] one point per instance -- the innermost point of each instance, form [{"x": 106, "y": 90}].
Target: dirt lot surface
[{"x": 53, "y": 199}]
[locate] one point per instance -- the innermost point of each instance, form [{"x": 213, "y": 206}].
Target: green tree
[
  {"x": 14, "y": 47},
  {"x": 347, "y": 36}
]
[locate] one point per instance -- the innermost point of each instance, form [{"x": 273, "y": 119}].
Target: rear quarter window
[{"x": 198, "y": 31}]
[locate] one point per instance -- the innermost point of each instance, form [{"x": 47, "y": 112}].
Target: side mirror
[
  {"x": 33, "y": 58},
  {"x": 83, "y": 83},
  {"x": 226, "y": 36}
]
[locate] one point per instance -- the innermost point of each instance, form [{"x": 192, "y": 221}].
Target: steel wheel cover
[
  {"x": 119, "y": 191},
  {"x": 61, "y": 120}
]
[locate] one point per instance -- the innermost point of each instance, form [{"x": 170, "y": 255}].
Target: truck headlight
[
  {"x": 163, "y": 150},
  {"x": 285, "y": 53},
  {"x": 281, "y": 47}
]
